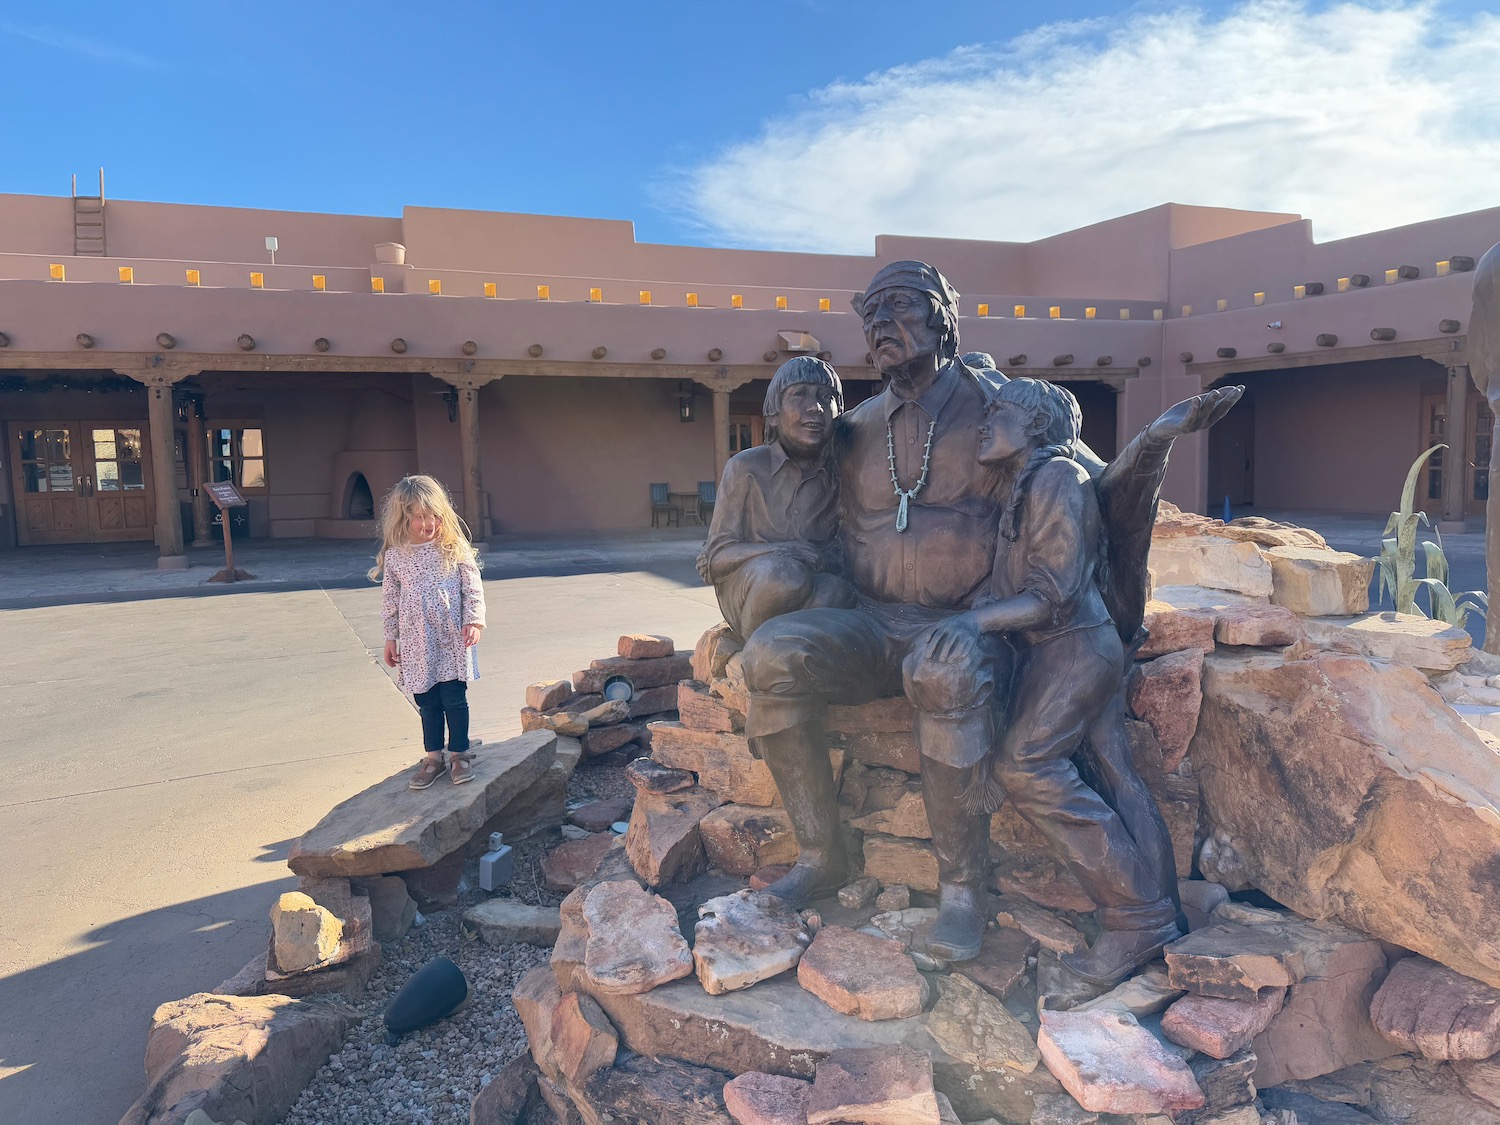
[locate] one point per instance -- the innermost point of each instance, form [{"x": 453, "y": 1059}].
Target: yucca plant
[{"x": 1398, "y": 562}]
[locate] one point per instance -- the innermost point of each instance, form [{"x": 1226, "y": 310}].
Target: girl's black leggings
[{"x": 445, "y": 702}]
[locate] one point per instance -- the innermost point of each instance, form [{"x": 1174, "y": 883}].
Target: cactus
[{"x": 1398, "y": 562}]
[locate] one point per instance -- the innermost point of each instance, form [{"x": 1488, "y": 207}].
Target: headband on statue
[{"x": 909, "y": 275}]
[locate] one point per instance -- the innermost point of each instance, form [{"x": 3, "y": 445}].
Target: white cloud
[{"x": 1359, "y": 116}]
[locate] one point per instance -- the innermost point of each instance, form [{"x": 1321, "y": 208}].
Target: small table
[{"x": 686, "y": 504}]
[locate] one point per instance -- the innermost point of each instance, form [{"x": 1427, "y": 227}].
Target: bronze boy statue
[{"x": 772, "y": 546}]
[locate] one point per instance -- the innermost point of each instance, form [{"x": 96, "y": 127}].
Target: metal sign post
[{"x": 226, "y": 496}]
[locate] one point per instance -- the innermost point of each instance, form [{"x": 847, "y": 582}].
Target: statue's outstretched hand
[{"x": 1194, "y": 414}]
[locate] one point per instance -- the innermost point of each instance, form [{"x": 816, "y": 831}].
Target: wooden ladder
[{"x": 88, "y": 221}]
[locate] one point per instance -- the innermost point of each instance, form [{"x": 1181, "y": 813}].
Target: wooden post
[
  {"x": 197, "y": 453},
  {"x": 1456, "y": 456},
  {"x": 226, "y": 497},
  {"x": 468, "y": 442},
  {"x": 159, "y": 414},
  {"x": 721, "y": 432}
]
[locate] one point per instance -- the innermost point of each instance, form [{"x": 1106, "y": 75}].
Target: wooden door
[
  {"x": 745, "y": 432},
  {"x": 81, "y": 482},
  {"x": 1434, "y": 432}
]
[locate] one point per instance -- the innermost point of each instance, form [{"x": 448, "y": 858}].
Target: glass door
[
  {"x": 117, "y": 480},
  {"x": 47, "y": 484},
  {"x": 81, "y": 483}
]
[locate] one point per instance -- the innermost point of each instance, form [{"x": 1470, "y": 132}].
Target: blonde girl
[{"x": 433, "y": 609}]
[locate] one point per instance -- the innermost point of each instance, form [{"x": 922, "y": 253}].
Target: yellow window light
[
  {"x": 1157, "y": 314},
  {"x": 435, "y": 286},
  {"x": 1298, "y": 292},
  {"x": 692, "y": 300},
  {"x": 1390, "y": 276},
  {"x": 1124, "y": 314},
  {"x": 1221, "y": 304},
  {"x": 596, "y": 295},
  {"x": 257, "y": 281},
  {"x": 781, "y": 302},
  {"x": 1343, "y": 285},
  {"x": 1260, "y": 298},
  {"x": 983, "y": 310},
  {"x": 1054, "y": 311},
  {"x": 320, "y": 282},
  {"x": 1020, "y": 311},
  {"x": 1443, "y": 268},
  {"x": 127, "y": 275},
  {"x": 645, "y": 296},
  {"x": 544, "y": 292},
  {"x": 736, "y": 300},
  {"x": 489, "y": 289},
  {"x": 1187, "y": 310},
  {"x": 57, "y": 272},
  {"x": 192, "y": 277},
  {"x": 1090, "y": 312},
  {"x": 824, "y": 304},
  {"x": 377, "y": 285}
]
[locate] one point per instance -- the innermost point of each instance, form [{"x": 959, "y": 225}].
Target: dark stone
[{"x": 662, "y": 1092}]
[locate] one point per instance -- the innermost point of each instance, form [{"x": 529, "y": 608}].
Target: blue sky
[{"x": 804, "y": 124}]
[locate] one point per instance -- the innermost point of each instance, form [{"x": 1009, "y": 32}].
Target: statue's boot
[
  {"x": 1116, "y": 954},
  {"x": 961, "y": 841},
  {"x": 798, "y": 760}
]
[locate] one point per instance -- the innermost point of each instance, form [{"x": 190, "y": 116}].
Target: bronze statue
[
  {"x": 1484, "y": 366},
  {"x": 920, "y": 516}
]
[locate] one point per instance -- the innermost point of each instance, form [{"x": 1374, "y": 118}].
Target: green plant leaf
[{"x": 1437, "y": 561}]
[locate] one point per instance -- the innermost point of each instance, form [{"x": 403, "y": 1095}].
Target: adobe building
[{"x": 550, "y": 370}]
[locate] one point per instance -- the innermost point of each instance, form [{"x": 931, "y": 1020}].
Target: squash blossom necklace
[{"x": 906, "y": 495}]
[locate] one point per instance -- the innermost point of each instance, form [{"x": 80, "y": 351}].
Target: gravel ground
[{"x": 431, "y": 1076}]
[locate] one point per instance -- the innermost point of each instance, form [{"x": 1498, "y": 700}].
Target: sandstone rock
[
  {"x": 1348, "y": 790},
  {"x": 392, "y": 909},
  {"x": 1220, "y": 1028},
  {"x": 1171, "y": 629},
  {"x": 767, "y": 1099},
  {"x": 1167, "y": 693},
  {"x": 654, "y": 703},
  {"x": 974, "y": 1027},
  {"x": 644, "y": 646},
  {"x": 1061, "y": 1109},
  {"x": 502, "y": 921},
  {"x": 389, "y": 828},
  {"x": 1236, "y": 962},
  {"x": 435, "y": 887},
  {"x": 731, "y": 687},
  {"x": 859, "y": 975},
  {"x": 1002, "y": 961},
  {"x": 1199, "y": 898},
  {"x": 1437, "y": 1013},
  {"x": 1176, "y": 794},
  {"x": 766, "y": 876},
  {"x": 894, "y": 860},
  {"x": 535, "y": 998},
  {"x": 908, "y": 817},
  {"x": 1110, "y": 1064},
  {"x": 556, "y": 1099},
  {"x": 664, "y": 842},
  {"x": 698, "y": 709},
  {"x": 1485, "y": 719},
  {"x": 1247, "y": 915},
  {"x": 1480, "y": 1079},
  {"x": 1314, "y": 1111},
  {"x": 741, "y": 839},
  {"x": 659, "y": 1091},
  {"x": 1417, "y": 1091},
  {"x": 891, "y": 749},
  {"x": 897, "y": 897},
  {"x": 874, "y": 1085},
  {"x": 713, "y": 651},
  {"x": 891, "y": 715},
  {"x": 1258, "y": 626},
  {"x": 538, "y": 807},
  {"x": 778, "y": 1027},
  {"x": 641, "y": 673},
  {"x": 597, "y": 816},
  {"x": 650, "y": 776},
  {"x": 859, "y": 893},
  {"x": 1320, "y": 583},
  {"x": 547, "y": 695},
  {"x": 1225, "y": 1083},
  {"x": 1219, "y": 564},
  {"x": 1172, "y": 521},
  {"x": 305, "y": 935},
  {"x": 633, "y": 940},
  {"x": 508, "y": 1096},
  {"x": 723, "y": 763},
  {"x": 234, "y": 1057},
  {"x": 598, "y": 741},
  {"x": 1397, "y": 637},
  {"x": 744, "y": 938},
  {"x": 583, "y": 1038},
  {"x": 1042, "y": 925},
  {"x": 573, "y": 861},
  {"x": 1145, "y": 994}
]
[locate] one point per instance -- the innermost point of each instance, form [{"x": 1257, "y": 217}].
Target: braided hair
[{"x": 1060, "y": 437}]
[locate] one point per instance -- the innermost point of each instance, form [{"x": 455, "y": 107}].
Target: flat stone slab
[
  {"x": 767, "y": 1099},
  {"x": 874, "y": 1085},
  {"x": 388, "y": 827},
  {"x": 1042, "y": 925},
  {"x": 1142, "y": 995},
  {"x": 1111, "y": 1064},
  {"x": 1427, "y": 1008},
  {"x": 745, "y": 938},
  {"x": 1235, "y": 962},
  {"x": 1221, "y": 1028},
  {"x": 1002, "y": 962},
  {"x": 860, "y": 975},
  {"x": 1398, "y": 637},
  {"x": 974, "y": 1027},
  {"x": 633, "y": 941},
  {"x": 503, "y": 921}
]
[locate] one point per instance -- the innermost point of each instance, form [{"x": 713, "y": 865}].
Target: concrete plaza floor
[{"x": 164, "y": 741}]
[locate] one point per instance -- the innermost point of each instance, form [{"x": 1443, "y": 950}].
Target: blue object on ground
[{"x": 1228, "y": 513}]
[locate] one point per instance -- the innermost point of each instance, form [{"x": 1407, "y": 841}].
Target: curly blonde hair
[{"x": 422, "y": 493}]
